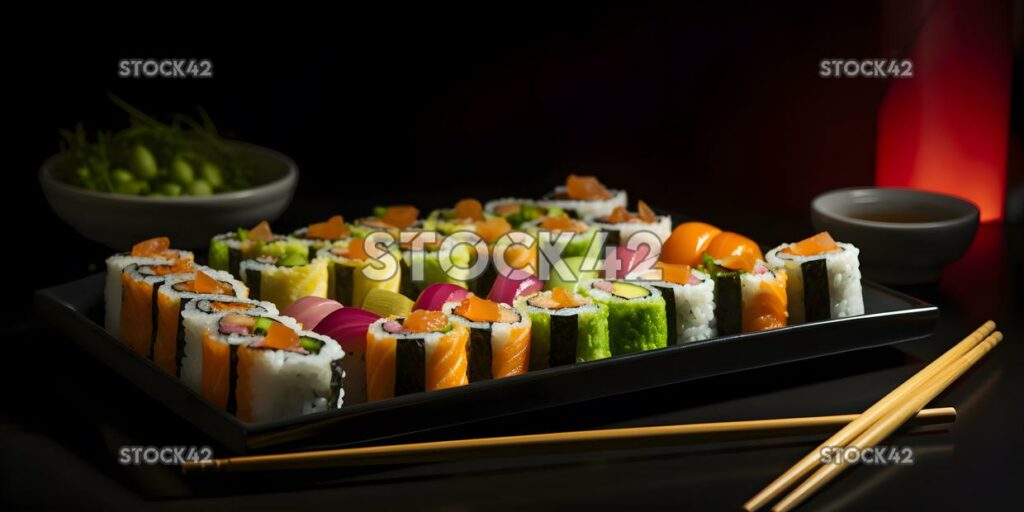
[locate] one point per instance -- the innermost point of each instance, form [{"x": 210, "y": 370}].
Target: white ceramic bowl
[
  {"x": 905, "y": 236},
  {"x": 118, "y": 221}
]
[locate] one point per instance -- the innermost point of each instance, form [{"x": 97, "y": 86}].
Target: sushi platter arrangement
[{"x": 345, "y": 331}]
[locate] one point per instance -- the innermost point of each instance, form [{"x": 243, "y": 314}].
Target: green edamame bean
[
  {"x": 121, "y": 176},
  {"x": 211, "y": 173},
  {"x": 143, "y": 162},
  {"x": 200, "y": 188},
  {"x": 181, "y": 172},
  {"x": 171, "y": 189}
]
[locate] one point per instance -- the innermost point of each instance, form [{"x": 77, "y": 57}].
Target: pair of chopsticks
[
  {"x": 880, "y": 420},
  {"x": 536, "y": 444}
]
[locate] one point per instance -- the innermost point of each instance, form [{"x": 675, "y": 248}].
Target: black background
[{"x": 714, "y": 112}]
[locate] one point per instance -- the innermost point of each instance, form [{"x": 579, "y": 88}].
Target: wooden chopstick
[
  {"x": 884, "y": 427},
  {"x": 545, "y": 443},
  {"x": 880, "y": 409}
]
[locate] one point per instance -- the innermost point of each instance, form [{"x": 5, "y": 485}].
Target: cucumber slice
[
  {"x": 312, "y": 345},
  {"x": 262, "y": 326}
]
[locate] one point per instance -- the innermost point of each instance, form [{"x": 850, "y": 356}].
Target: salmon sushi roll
[
  {"x": 566, "y": 328},
  {"x": 155, "y": 251},
  {"x": 263, "y": 368},
  {"x": 499, "y": 337},
  {"x": 172, "y": 296},
  {"x": 621, "y": 226},
  {"x": 424, "y": 351},
  {"x": 585, "y": 197},
  {"x": 139, "y": 286},
  {"x": 198, "y": 316},
  {"x": 519, "y": 211},
  {"x": 283, "y": 280},
  {"x": 823, "y": 278}
]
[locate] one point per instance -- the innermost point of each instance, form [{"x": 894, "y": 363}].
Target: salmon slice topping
[
  {"x": 469, "y": 209},
  {"x": 151, "y": 247},
  {"x": 206, "y": 284},
  {"x": 491, "y": 230},
  {"x": 735, "y": 251},
  {"x": 672, "y": 273},
  {"x": 619, "y": 214},
  {"x": 230, "y": 306},
  {"x": 559, "y": 298},
  {"x": 688, "y": 242},
  {"x": 645, "y": 213},
  {"x": 280, "y": 337},
  {"x": 817, "y": 244},
  {"x": 334, "y": 229},
  {"x": 478, "y": 310},
  {"x": 422, "y": 320},
  {"x": 585, "y": 188},
  {"x": 261, "y": 232},
  {"x": 400, "y": 217},
  {"x": 505, "y": 209}
]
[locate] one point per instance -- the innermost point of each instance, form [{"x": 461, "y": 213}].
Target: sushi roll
[
  {"x": 636, "y": 314},
  {"x": 689, "y": 302},
  {"x": 139, "y": 285},
  {"x": 351, "y": 274},
  {"x": 322, "y": 234},
  {"x": 499, "y": 337},
  {"x": 581, "y": 243},
  {"x": 424, "y": 351},
  {"x": 228, "y": 250},
  {"x": 520, "y": 211},
  {"x": 263, "y": 368},
  {"x": 585, "y": 197},
  {"x": 424, "y": 266},
  {"x": 463, "y": 217},
  {"x": 197, "y": 317},
  {"x": 284, "y": 280},
  {"x": 749, "y": 296},
  {"x": 621, "y": 226},
  {"x": 567, "y": 328},
  {"x": 823, "y": 278},
  {"x": 172, "y": 296},
  {"x": 155, "y": 251},
  {"x": 391, "y": 219}
]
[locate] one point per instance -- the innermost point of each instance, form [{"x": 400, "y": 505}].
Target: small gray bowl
[
  {"x": 118, "y": 221},
  {"x": 905, "y": 236}
]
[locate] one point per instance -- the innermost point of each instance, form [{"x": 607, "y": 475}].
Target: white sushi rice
[
  {"x": 112, "y": 291},
  {"x": 660, "y": 228},
  {"x": 589, "y": 208},
  {"x": 844, "y": 288},
  {"x": 286, "y": 384},
  {"x": 695, "y": 308},
  {"x": 197, "y": 317}
]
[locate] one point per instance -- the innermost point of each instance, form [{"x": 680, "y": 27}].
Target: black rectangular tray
[{"x": 75, "y": 309}]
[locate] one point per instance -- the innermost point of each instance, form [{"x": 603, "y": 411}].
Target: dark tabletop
[{"x": 66, "y": 456}]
